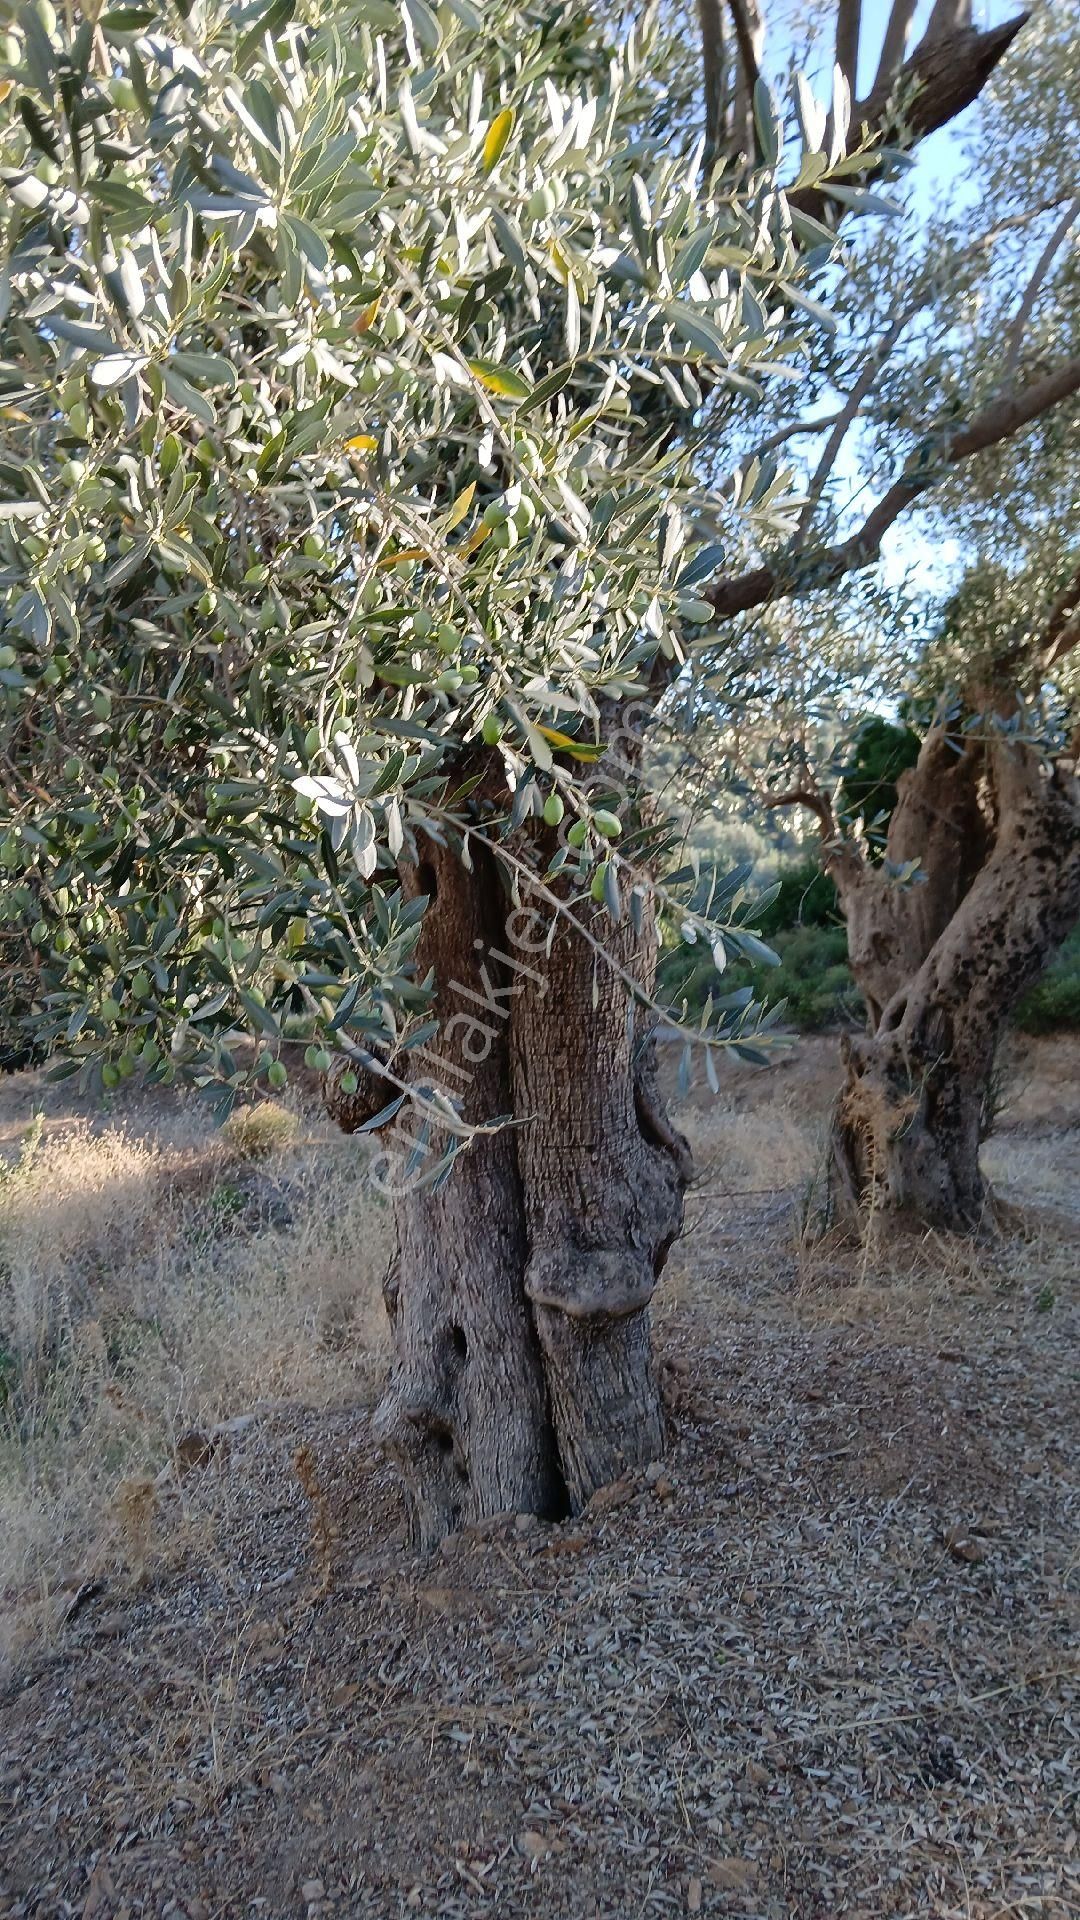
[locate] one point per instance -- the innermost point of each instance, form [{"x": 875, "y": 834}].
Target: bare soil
[{"x": 819, "y": 1663}]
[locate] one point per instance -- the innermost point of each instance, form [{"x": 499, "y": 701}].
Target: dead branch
[{"x": 813, "y": 800}]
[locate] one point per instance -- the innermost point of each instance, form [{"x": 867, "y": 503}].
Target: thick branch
[
  {"x": 848, "y": 24},
  {"x": 750, "y": 40},
  {"x": 840, "y": 855},
  {"x": 948, "y": 16},
  {"x": 748, "y": 31},
  {"x": 714, "y": 78},
  {"x": 943, "y": 76},
  {"x": 1001, "y": 420},
  {"x": 937, "y": 83},
  {"x": 894, "y": 45}
]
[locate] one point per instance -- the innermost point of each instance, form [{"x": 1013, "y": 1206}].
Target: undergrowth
[
  {"x": 147, "y": 1289},
  {"x": 804, "y": 928}
]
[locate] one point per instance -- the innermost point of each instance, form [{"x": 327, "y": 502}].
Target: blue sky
[{"x": 938, "y": 177}]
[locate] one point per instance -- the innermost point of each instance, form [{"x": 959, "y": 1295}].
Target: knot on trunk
[{"x": 590, "y": 1283}]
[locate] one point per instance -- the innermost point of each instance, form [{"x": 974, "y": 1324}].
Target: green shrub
[
  {"x": 881, "y": 753},
  {"x": 806, "y": 898},
  {"x": 813, "y": 976},
  {"x": 1054, "y": 1001},
  {"x": 804, "y": 928}
]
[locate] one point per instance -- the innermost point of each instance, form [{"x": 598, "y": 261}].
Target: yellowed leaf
[
  {"x": 460, "y": 508},
  {"x": 496, "y": 138},
  {"x": 576, "y": 749},
  {"x": 367, "y": 316},
  {"x": 502, "y": 380}
]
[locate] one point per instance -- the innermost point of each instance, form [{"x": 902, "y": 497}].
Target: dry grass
[
  {"x": 740, "y": 1150},
  {"x": 821, "y": 1667},
  {"x": 146, "y": 1290}
]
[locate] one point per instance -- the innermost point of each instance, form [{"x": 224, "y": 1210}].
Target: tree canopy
[
  {"x": 360, "y": 377},
  {"x": 322, "y": 346}
]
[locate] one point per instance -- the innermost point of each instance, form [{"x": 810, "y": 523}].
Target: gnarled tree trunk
[
  {"x": 519, "y": 1300},
  {"x": 942, "y": 963}
]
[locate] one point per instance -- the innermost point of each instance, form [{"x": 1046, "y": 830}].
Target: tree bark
[
  {"x": 522, "y": 1376},
  {"x": 941, "y": 966},
  {"x": 939, "y": 822},
  {"x": 465, "y": 1416},
  {"x": 604, "y": 1176}
]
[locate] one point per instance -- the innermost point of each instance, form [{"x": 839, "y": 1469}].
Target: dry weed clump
[
  {"x": 746, "y": 1150},
  {"x": 146, "y": 1290},
  {"x": 255, "y": 1133}
]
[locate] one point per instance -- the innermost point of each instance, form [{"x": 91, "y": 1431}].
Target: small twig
[
  {"x": 1014, "y": 338},
  {"x": 846, "y": 418}
]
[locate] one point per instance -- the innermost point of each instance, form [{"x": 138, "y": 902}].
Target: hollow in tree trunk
[{"x": 522, "y": 1376}]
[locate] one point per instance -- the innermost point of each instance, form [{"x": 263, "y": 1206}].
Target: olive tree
[
  {"x": 356, "y": 372},
  {"x": 959, "y": 396},
  {"x": 955, "y": 901}
]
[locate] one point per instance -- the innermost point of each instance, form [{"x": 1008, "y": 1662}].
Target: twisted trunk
[
  {"x": 942, "y": 964},
  {"x": 519, "y": 1298}
]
